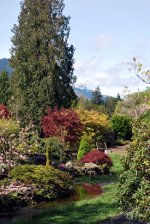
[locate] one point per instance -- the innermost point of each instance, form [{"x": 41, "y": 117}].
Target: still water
[{"x": 58, "y": 212}]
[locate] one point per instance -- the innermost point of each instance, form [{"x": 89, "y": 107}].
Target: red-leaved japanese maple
[
  {"x": 63, "y": 123},
  {"x": 4, "y": 112},
  {"x": 97, "y": 157}
]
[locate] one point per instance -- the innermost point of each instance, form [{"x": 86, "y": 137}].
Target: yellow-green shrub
[
  {"x": 8, "y": 127},
  {"x": 95, "y": 124}
]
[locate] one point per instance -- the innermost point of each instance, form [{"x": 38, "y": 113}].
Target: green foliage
[
  {"x": 54, "y": 148},
  {"x": 9, "y": 131},
  {"x": 42, "y": 61},
  {"x": 97, "y": 96},
  {"x": 122, "y": 125},
  {"x": 134, "y": 105},
  {"x": 8, "y": 127},
  {"x": 33, "y": 184},
  {"x": 134, "y": 188},
  {"x": 86, "y": 144},
  {"x": 15, "y": 142},
  {"x": 87, "y": 104},
  {"x": 145, "y": 117},
  {"x": 110, "y": 104},
  {"x": 4, "y": 88},
  {"x": 29, "y": 141},
  {"x": 95, "y": 124},
  {"x": 49, "y": 182},
  {"x": 101, "y": 207}
]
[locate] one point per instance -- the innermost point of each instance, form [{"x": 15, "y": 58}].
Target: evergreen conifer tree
[
  {"x": 97, "y": 96},
  {"x": 4, "y": 87},
  {"x": 42, "y": 60},
  {"x": 118, "y": 97}
]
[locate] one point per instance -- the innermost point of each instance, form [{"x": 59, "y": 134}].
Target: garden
[
  {"x": 58, "y": 162},
  {"x": 60, "y": 176}
]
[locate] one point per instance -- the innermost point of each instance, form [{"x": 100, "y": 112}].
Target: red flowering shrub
[
  {"x": 97, "y": 157},
  {"x": 4, "y": 112},
  {"x": 63, "y": 123}
]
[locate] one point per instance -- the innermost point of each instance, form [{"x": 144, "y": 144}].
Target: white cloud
[
  {"x": 111, "y": 81},
  {"x": 100, "y": 42}
]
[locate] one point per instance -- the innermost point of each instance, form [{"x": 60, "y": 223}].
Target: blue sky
[{"x": 106, "y": 35}]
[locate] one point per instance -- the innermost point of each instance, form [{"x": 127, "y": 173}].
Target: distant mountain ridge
[
  {"x": 83, "y": 91},
  {"x": 5, "y": 66}
]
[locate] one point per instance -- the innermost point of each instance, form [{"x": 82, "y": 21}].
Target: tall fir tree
[
  {"x": 4, "y": 87},
  {"x": 42, "y": 60},
  {"x": 97, "y": 96},
  {"x": 118, "y": 97}
]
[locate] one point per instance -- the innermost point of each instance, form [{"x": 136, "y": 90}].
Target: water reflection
[{"x": 43, "y": 211}]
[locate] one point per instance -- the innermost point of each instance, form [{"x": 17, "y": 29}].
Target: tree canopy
[
  {"x": 42, "y": 60},
  {"x": 4, "y": 87},
  {"x": 97, "y": 96}
]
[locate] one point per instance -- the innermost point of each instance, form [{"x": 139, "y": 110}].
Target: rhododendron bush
[{"x": 97, "y": 157}]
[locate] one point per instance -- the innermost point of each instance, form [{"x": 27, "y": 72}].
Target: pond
[{"x": 45, "y": 213}]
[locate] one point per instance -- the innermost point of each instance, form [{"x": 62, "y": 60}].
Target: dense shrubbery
[
  {"x": 145, "y": 116},
  {"x": 134, "y": 188},
  {"x": 122, "y": 125},
  {"x": 134, "y": 105},
  {"x": 49, "y": 177},
  {"x": 4, "y": 112},
  {"x": 8, "y": 128},
  {"x": 95, "y": 125},
  {"x": 63, "y": 123},
  {"x": 86, "y": 145},
  {"x": 9, "y": 131},
  {"x": 98, "y": 158},
  {"x": 35, "y": 184},
  {"x": 15, "y": 142},
  {"x": 54, "y": 150},
  {"x": 29, "y": 141}
]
